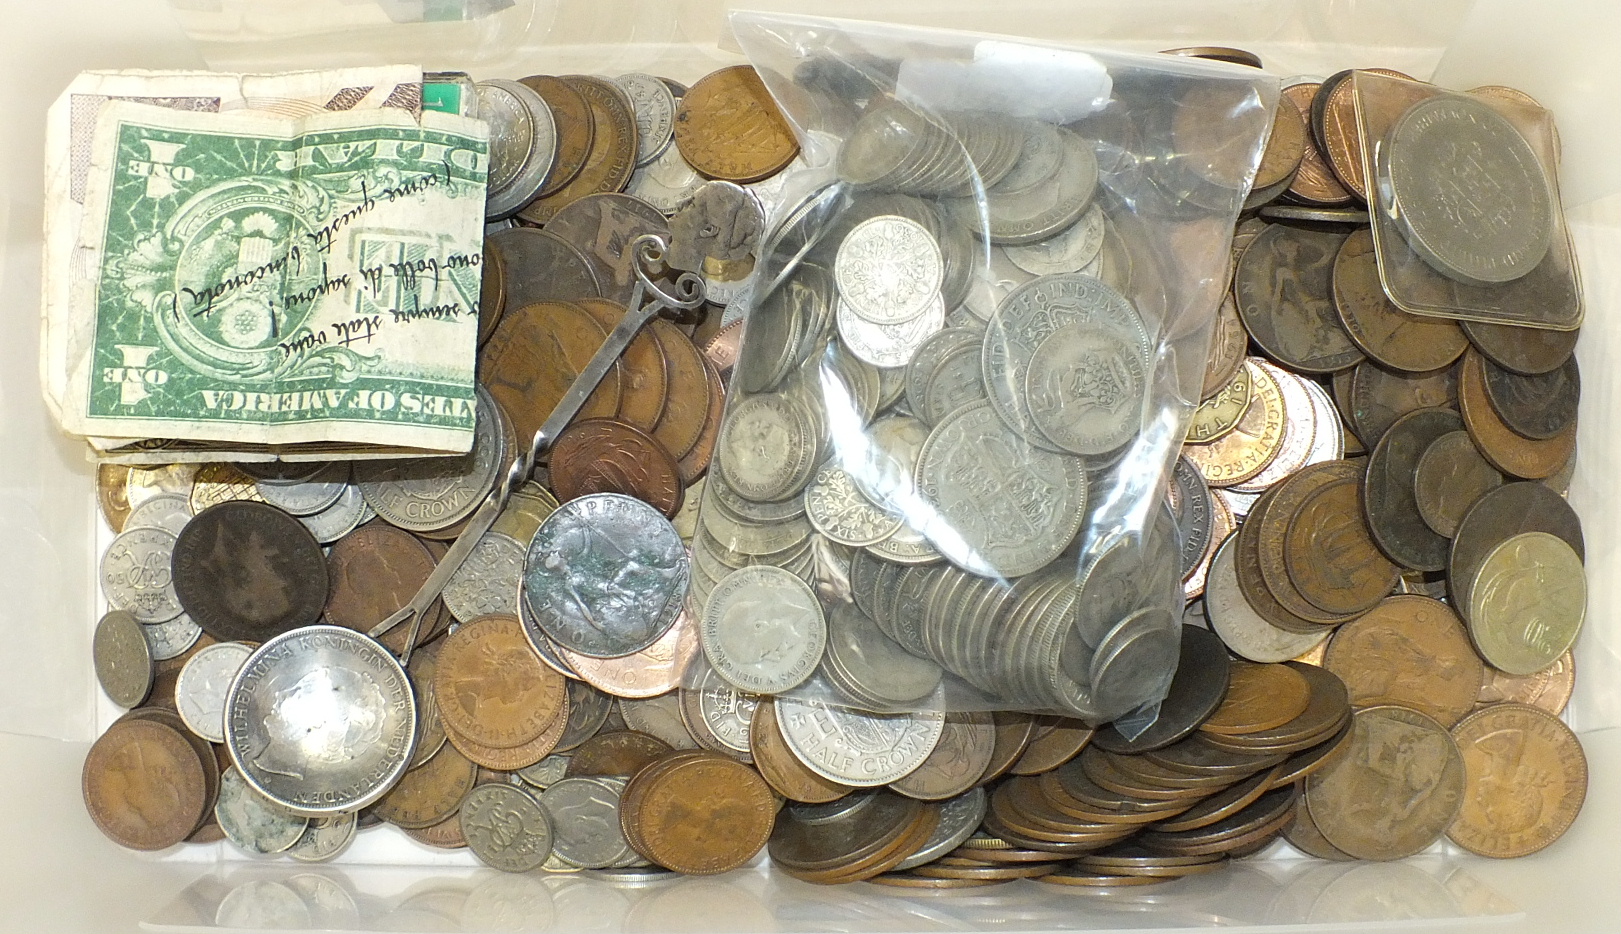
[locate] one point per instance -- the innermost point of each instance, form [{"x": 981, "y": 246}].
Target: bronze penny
[
  {"x": 687, "y": 404},
  {"x": 144, "y": 785},
  {"x": 728, "y": 127},
  {"x": 1451, "y": 476},
  {"x": 533, "y": 359},
  {"x": 1395, "y": 791},
  {"x": 1313, "y": 759},
  {"x": 430, "y": 794},
  {"x": 989, "y": 873},
  {"x": 1218, "y": 53},
  {"x": 1252, "y": 583},
  {"x": 1285, "y": 146},
  {"x": 1327, "y": 713},
  {"x": 1525, "y": 781},
  {"x": 374, "y": 570},
  {"x": 1055, "y": 741},
  {"x": 542, "y": 267},
  {"x": 1223, "y": 804},
  {"x": 1267, "y": 814},
  {"x": 1227, "y": 346},
  {"x": 643, "y": 372},
  {"x": 1378, "y": 397},
  {"x": 958, "y": 760},
  {"x": 575, "y": 129},
  {"x": 1304, "y": 836},
  {"x": 1259, "y": 697},
  {"x": 1528, "y": 351},
  {"x": 492, "y": 295},
  {"x": 1253, "y": 443},
  {"x": 1341, "y": 141},
  {"x": 706, "y": 813},
  {"x": 1548, "y": 689},
  {"x": 1221, "y": 411},
  {"x": 695, "y": 462},
  {"x": 657, "y": 669},
  {"x": 602, "y": 227},
  {"x": 911, "y": 880},
  {"x": 247, "y": 572},
  {"x": 1284, "y": 287},
  {"x": 1509, "y": 510},
  {"x": 1537, "y": 407},
  {"x": 492, "y": 688},
  {"x": 512, "y": 758},
  {"x": 445, "y": 835},
  {"x": 430, "y": 735},
  {"x": 1508, "y": 451},
  {"x": 1412, "y": 651},
  {"x": 625, "y": 752},
  {"x": 1330, "y": 555},
  {"x": 1266, "y": 534},
  {"x": 1389, "y": 498},
  {"x": 1314, "y": 183},
  {"x": 601, "y": 455},
  {"x": 780, "y": 767},
  {"x": 1391, "y": 337},
  {"x": 613, "y": 149}
]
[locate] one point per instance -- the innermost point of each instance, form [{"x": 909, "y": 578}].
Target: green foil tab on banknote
[{"x": 260, "y": 278}]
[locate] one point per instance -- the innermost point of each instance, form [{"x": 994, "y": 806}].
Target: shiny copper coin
[
  {"x": 706, "y": 814},
  {"x": 625, "y": 752},
  {"x": 1342, "y": 140},
  {"x": 686, "y": 407},
  {"x": 695, "y": 462},
  {"x": 511, "y": 758},
  {"x": 1548, "y": 689},
  {"x": 613, "y": 149},
  {"x": 1056, "y": 741},
  {"x": 728, "y": 127},
  {"x": 780, "y": 767},
  {"x": 657, "y": 669},
  {"x": 1508, "y": 451},
  {"x": 1314, "y": 183},
  {"x": 643, "y": 371},
  {"x": 575, "y": 126},
  {"x": 1525, "y": 781},
  {"x": 374, "y": 570},
  {"x": 492, "y": 688},
  {"x": 1412, "y": 651},
  {"x": 1392, "y": 337},
  {"x": 533, "y": 359},
  {"x": 721, "y": 350},
  {"x": 430, "y": 794},
  {"x": 1259, "y": 697},
  {"x": 144, "y": 785},
  {"x": 1330, "y": 555},
  {"x": 602, "y": 455}
]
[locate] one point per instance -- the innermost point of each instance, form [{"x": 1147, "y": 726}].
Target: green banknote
[{"x": 259, "y": 279}]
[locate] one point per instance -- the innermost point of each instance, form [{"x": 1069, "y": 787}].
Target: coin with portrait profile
[{"x": 763, "y": 630}]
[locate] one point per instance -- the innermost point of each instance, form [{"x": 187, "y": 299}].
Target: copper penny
[
  {"x": 1342, "y": 141},
  {"x": 575, "y": 129},
  {"x": 958, "y": 759},
  {"x": 613, "y": 149},
  {"x": 602, "y": 227},
  {"x": 602, "y": 455},
  {"x": 1380, "y": 397},
  {"x": 657, "y": 669},
  {"x": 1392, "y": 337},
  {"x": 1284, "y": 287},
  {"x": 1285, "y": 146},
  {"x": 778, "y": 765},
  {"x": 430, "y": 794},
  {"x": 1314, "y": 183},
  {"x": 1412, "y": 651},
  {"x": 625, "y": 752},
  {"x": 728, "y": 127},
  {"x": 491, "y": 686},
  {"x": 1055, "y": 741},
  {"x": 1259, "y": 697},
  {"x": 492, "y": 295},
  {"x": 375, "y": 570},
  {"x": 644, "y": 375},
  {"x": 1330, "y": 554},
  {"x": 1014, "y": 731},
  {"x": 722, "y": 349},
  {"x": 1527, "y": 351},
  {"x": 1548, "y": 689},
  {"x": 695, "y": 462},
  {"x": 533, "y": 359},
  {"x": 144, "y": 785},
  {"x": 516, "y": 757},
  {"x": 705, "y": 814},
  {"x": 686, "y": 406},
  {"x": 1253, "y": 443},
  {"x": 1265, "y": 535},
  {"x": 1227, "y": 346},
  {"x": 445, "y": 835},
  {"x": 1525, "y": 780},
  {"x": 1508, "y": 451}
]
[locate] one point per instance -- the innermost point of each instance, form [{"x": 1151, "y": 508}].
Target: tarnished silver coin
[
  {"x": 888, "y": 345},
  {"x": 605, "y": 575},
  {"x": 123, "y": 659},
  {"x": 324, "y": 838},
  {"x": 348, "y": 513},
  {"x": 506, "y": 828},
  {"x": 309, "y": 496},
  {"x": 321, "y": 720},
  {"x": 585, "y": 822},
  {"x": 667, "y": 183},
  {"x": 1002, "y": 507},
  {"x": 655, "y": 113},
  {"x": 932, "y": 356},
  {"x": 1191, "y": 505},
  {"x": 1245, "y": 631},
  {"x": 1022, "y": 216},
  {"x": 870, "y": 666},
  {"x": 425, "y": 494},
  {"x": 889, "y": 269},
  {"x": 856, "y": 748},
  {"x": 523, "y": 144},
  {"x": 204, "y": 683},
  {"x": 545, "y": 773},
  {"x": 725, "y": 713},
  {"x": 1086, "y": 387},
  {"x": 959, "y": 818},
  {"x": 135, "y": 575},
  {"x": 837, "y": 508},
  {"x": 762, "y": 630},
  {"x": 487, "y": 584},
  {"x": 659, "y": 717},
  {"x": 253, "y": 822},
  {"x": 1070, "y": 251},
  {"x": 768, "y": 448},
  {"x": 172, "y": 637},
  {"x": 167, "y": 511}
]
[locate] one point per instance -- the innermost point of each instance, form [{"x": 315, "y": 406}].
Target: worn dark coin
[
  {"x": 1388, "y": 495},
  {"x": 1395, "y": 338},
  {"x": 602, "y": 227},
  {"x": 1196, "y": 691},
  {"x": 247, "y": 571},
  {"x": 492, "y": 296},
  {"x": 1451, "y": 476},
  {"x": 543, "y": 267},
  {"x": 1528, "y": 351},
  {"x": 1284, "y": 285},
  {"x": 1380, "y": 396},
  {"x": 575, "y": 128},
  {"x": 1509, "y": 510},
  {"x": 1538, "y": 407}
]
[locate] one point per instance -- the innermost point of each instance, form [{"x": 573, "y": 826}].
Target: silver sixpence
[
  {"x": 763, "y": 630},
  {"x": 342, "y": 517},
  {"x": 727, "y": 713},
  {"x": 506, "y": 828},
  {"x": 204, "y": 683},
  {"x": 1002, "y": 507},
  {"x": 959, "y": 818},
  {"x": 324, "y": 838},
  {"x": 488, "y": 582},
  {"x": 889, "y": 269},
  {"x": 857, "y": 748},
  {"x": 837, "y": 508},
  {"x": 1245, "y": 631},
  {"x": 135, "y": 575},
  {"x": 321, "y": 720},
  {"x": 429, "y": 493},
  {"x": 655, "y": 113},
  {"x": 545, "y": 773},
  {"x": 1070, "y": 251},
  {"x": 523, "y": 144},
  {"x": 172, "y": 637},
  {"x": 667, "y": 183},
  {"x": 605, "y": 575},
  {"x": 123, "y": 659},
  {"x": 585, "y": 821},
  {"x": 889, "y": 345},
  {"x": 768, "y": 448},
  {"x": 167, "y": 511},
  {"x": 307, "y": 497},
  {"x": 253, "y": 822},
  {"x": 1086, "y": 387}
]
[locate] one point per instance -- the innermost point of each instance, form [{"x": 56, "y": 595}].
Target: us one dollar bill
[{"x": 293, "y": 261}]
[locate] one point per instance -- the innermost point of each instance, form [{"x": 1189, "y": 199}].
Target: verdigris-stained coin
[
  {"x": 247, "y": 571},
  {"x": 506, "y": 828},
  {"x": 123, "y": 659},
  {"x": 251, "y": 821},
  {"x": 763, "y": 630},
  {"x": 1389, "y": 498},
  {"x": 1527, "y": 602},
  {"x": 1285, "y": 296},
  {"x": 1451, "y": 476}
]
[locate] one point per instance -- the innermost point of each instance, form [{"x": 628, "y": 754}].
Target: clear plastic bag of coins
[
  {"x": 1490, "y": 245},
  {"x": 1004, "y": 500}
]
